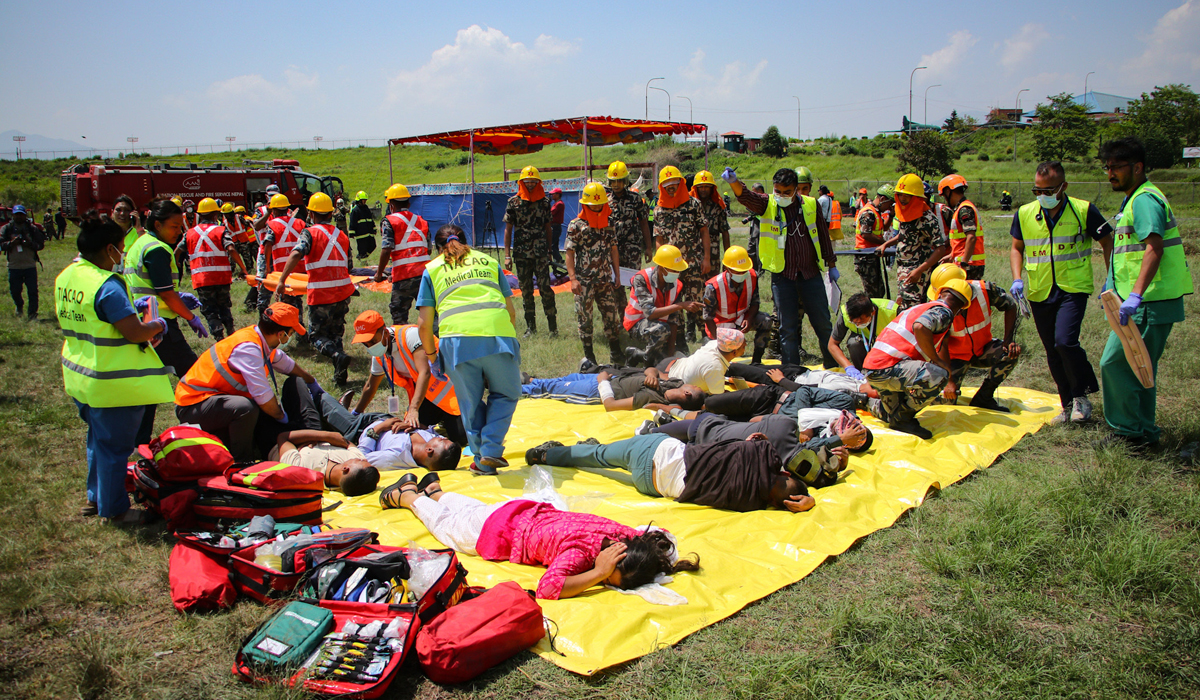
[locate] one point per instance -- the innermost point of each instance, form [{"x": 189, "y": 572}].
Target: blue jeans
[
  {"x": 794, "y": 299},
  {"x": 635, "y": 455},
  {"x": 112, "y": 437},
  {"x": 487, "y": 422},
  {"x": 573, "y": 388}
]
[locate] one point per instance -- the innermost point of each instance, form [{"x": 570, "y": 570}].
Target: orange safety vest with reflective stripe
[
  {"x": 237, "y": 229},
  {"x": 208, "y": 260},
  {"x": 440, "y": 391},
  {"x": 287, "y": 235},
  {"x": 859, "y": 242},
  {"x": 328, "y": 277},
  {"x": 835, "y": 213},
  {"x": 897, "y": 342},
  {"x": 969, "y": 334},
  {"x": 958, "y": 237},
  {"x": 633, "y": 312},
  {"x": 211, "y": 375},
  {"x": 731, "y": 306},
  {"x": 410, "y": 236}
]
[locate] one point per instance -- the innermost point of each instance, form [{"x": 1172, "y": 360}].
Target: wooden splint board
[{"x": 1131, "y": 339}]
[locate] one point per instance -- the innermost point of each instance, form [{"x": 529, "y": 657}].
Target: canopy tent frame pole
[
  {"x": 586, "y": 153},
  {"x": 706, "y": 147},
  {"x": 391, "y": 177},
  {"x": 471, "y": 157},
  {"x": 504, "y": 166}
]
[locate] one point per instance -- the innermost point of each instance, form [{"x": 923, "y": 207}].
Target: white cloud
[
  {"x": 734, "y": 82},
  {"x": 1020, "y": 46},
  {"x": 1172, "y": 53},
  {"x": 231, "y": 97},
  {"x": 948, "y": 59}
]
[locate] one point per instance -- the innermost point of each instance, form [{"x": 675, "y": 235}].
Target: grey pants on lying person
[{"x": 635, "y": 455}]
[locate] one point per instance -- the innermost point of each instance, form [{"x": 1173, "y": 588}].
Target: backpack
[
  {"x": 166, "y": 477},
  {"x": 199, "y": 580},
  {"x": 480, "y": 633},
  {"x": 288, "y": 493}
]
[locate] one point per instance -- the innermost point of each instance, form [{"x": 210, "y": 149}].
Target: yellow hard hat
[
  {"x": 227, "y": 208},
  {"x": 961, "y": 287},
  {"x": 593, "y": 193},
  {"x": 207, "y": 206},
  {"x": 529, "y": 173},
  {"x": 279, "y": 201},
  {"x": 396, "y": 191},
  {"x": 617, "y": 170},
  {"x": 941, "y": 275},
  {"x": 360, "y": 196},
  {"x": 703, "y": 178},
  {"x": 669, "y": 173},
  {"x": 668, "y": 256},
  {"x": 910, "y": 184},
  {"x": 178, "y": 201},
  {"x": 320, "y": 203},
  {"x": 737, "y": 259},
  {"x": 239, "y": 209}
]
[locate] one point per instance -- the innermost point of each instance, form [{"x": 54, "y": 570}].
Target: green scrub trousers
[{"x": 1129, "y": 407}]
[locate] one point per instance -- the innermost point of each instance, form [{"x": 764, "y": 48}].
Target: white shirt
[
  {"x": 669, "y": 470},
  {"x": 317, "y": 456},
  {"x": 412, "y": 340},
  {"x": 391, "y": 450},
  {"x": 248, "y": 360},
  {"x": 705, "y": 368}
]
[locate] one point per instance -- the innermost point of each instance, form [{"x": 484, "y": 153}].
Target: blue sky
[{"x": 177, "y": 73}]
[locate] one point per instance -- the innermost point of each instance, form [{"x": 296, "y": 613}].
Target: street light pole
[
  {"x": 797, "y": 117},
  {"x": 230, "y": 140},
  {"x": 927, "y": 100},
  {"x": 668, "y": 101},
  {"x": 647, "y": 91},
  {"x": 910, "y": 81},
  {"x": 1018, "y": 121},
  {"x": 691, "y": 118},
  {"x": 1085, "y": 86},
  {"x": 1019, "y": 97}
]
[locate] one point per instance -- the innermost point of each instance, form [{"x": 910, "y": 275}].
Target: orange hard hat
[{"x": 952, "y": 182}]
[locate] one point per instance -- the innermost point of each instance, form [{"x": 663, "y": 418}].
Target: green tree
[
  {"x": 1064, "y": 130},
  {"x": 926, "y": 153},
  {"x": 1165, "y": 120},
  {"x": 952, "y": 123},
  {"x": 772, "y": 144}
]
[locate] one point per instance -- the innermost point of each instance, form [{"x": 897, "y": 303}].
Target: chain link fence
[{"x": 986, "y": 193}]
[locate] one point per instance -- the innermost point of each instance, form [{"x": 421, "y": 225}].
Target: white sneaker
[
  {"x": 644, "y": 428},
  {"x": 1081, "y": 410},
  {"x": 1061, "y": 418}
]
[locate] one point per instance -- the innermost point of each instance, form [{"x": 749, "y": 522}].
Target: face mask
[
  {"x": 739, "y": 276},
  {"x": 782, "y": 201},
  {"x": 1048, "y": 201},
  {"x": 671, "y": 277},
  {"x": 284, "y": 343},
  {"x": 115, "y": 263},
  {"x": 863, "y": 326},
  {"x": 377, "y": 350}
]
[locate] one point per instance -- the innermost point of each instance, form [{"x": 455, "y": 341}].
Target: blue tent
[{"x": 484, "y": 224}]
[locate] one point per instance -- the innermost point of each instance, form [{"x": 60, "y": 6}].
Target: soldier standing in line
[
  {"x": 921, "y": 241},
  {"x": 209, "y": 248},
  {"x": 681, "y": 223},
  {"x": 592, "y": 263},
  {"x": 629, "y": 220},
  {"x": 871, "y": 232},
  {"x": 405, "y": 237},
  {"x": 527, "y": 230},
  {"x": 716, "y": 213}
]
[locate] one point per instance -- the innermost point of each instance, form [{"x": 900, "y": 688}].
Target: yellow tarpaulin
[{"x": 745, "y": 556}]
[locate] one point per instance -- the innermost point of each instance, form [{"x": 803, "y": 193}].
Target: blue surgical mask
[
  {"x": 377, "y": 350},
  {"x": 1048, "y": 201},
  {"x": 671, "y": 277},
  {"x": 739, "y": 276}
]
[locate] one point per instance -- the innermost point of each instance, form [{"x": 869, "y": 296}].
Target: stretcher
[
  {"x": 744, "y": 556},
  {"x": 1136, "y": 353}
]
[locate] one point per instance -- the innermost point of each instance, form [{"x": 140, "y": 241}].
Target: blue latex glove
[
  {"x": 1129, "y": 307},
  {"x": 729, "y": 176},
  {"x": 198, "y": 326},
  {"x": 283, "y": 420},
  {"x": 315, "y": 389},
  {"x": 852, "y": 371},
  {"x": 190, "y": 301},
  {"x": 1017, "y": 289},
  {"x": 834, "y": 275}
]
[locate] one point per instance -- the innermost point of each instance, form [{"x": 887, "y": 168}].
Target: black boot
[
  {"x": 984, "y": 398},
  {"x": 552, "y": 324},
  {"x": 530, "y": 327},
  {"x": 636, "y": 357},
  {"x": 589, "y": 354},
  {"x": 341, "y": 368},
  {"x": 617, "y": 358}
]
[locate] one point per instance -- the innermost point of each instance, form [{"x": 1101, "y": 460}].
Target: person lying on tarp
[
  {"x": 579, "y": 550},
  {"x": 707, "y": 366},
  {"x": 815, "y": 447},
  {"x": 388, "y": 442},
  {"x": 788, "y": 376},
  {"x": 343, "y": 465},
  {"x": 767, "y": 399},
  {"x": 618, "y": 389},
  {"x": 740, "y": 474}
]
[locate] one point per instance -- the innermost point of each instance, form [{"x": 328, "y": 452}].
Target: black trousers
[
  {"x": 1058, "y": 320},
  {"x": 744, "y": 404},
  {"x": 174, "y": 350},
  {"x": 301, "y": 410}
]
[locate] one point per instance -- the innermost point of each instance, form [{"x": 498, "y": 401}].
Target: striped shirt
[{"x": 799, "y": 254}]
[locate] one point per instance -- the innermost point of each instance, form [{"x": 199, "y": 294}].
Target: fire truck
[{"x": 94, "y": 186}]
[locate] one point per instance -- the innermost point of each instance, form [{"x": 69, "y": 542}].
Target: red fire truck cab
[{"x": 93, "y": 186}]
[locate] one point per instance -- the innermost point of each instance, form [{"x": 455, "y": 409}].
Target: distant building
[
  {"x": 999, "y": 115},
  {"x": 736, "y": 142},
  {"x": 1102, "y": 106}
]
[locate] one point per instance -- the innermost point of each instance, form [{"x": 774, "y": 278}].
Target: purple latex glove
[
  {"x": 834, "y": 275},
  {"x": 190, "y": 301},
  {"x": 1018, "y": 288},
  {"x": 1129, "y": 307},
  {"x": 853, "y": 372},
  {"x": 729, "y": 176},
  {"x": 198, "y": 326}
]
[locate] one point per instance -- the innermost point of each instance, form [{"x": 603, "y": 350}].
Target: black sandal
[
  {"x": 430, "y": 479},
  {"x": 390, "y": 496}
]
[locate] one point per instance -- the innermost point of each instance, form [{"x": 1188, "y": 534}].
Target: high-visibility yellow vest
[
  {"x": 468, "y": 297},
  {"x": 131, "y": 237},
  {"x": 1063, "y": 258},
  {"x": 772, "y": 233},
  {"x": 136, "y": 276},
  {"x": 1172, "y": 280},
  {"x": 100, "y": 367},
  {"x": 885, "y": 313}
]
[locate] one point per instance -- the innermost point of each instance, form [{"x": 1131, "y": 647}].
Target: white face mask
[
  {"x": 782, "y": 201},
  {"x": 863, "y": 326},
  {"x": 1048, "y": 201},
  {"x": 739, "y": 276},
  {"x": 377, "y": 350},
  {"x": 284, "y": 343},
  {"x": 671, "y": 277}
]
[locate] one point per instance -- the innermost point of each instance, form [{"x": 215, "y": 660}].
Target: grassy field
[{"x": 1060, "y": 572}]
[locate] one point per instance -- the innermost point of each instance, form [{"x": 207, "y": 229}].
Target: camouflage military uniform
[
  {"x": 868, "y": 267},
  {"x": 593, "y": 269},
  {"x": 651, "y": 336},
  {"x": 966, "y": 218},
  {"x": 917, "y": 241},
  {"x": 327, "y": 325},
  {"x": 217, "y": 309},
  {"x": 909, "y": 386},
  {"x": 762, "y": 323},
  {"x": 681, "y": 228},
  {"x": 628, "y": 210},
  {"x": 531, "y": 256},
  {"x": 718, "y": 229},
  {"x": 993, "y": 357}
]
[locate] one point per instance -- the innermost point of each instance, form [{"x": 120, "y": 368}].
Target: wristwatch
[{"x": 370, "y": 432}]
